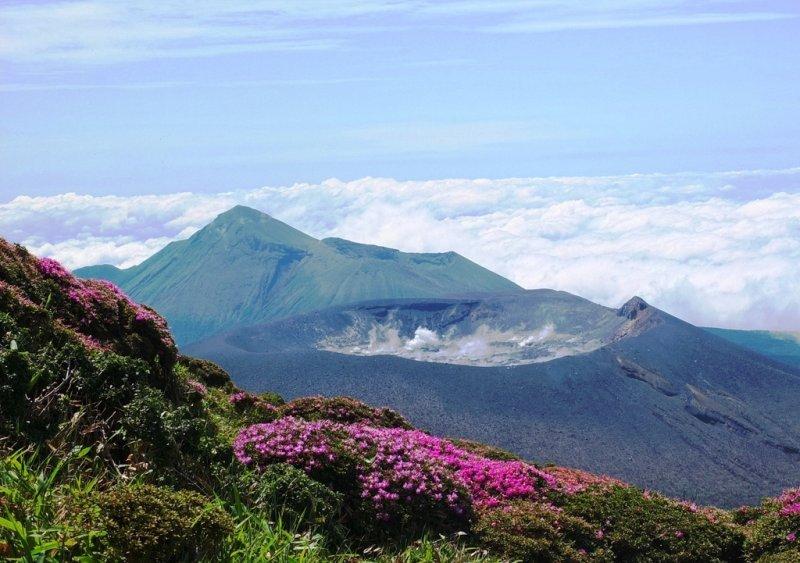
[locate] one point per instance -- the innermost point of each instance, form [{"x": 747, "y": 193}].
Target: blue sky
[
  {"x": 139, "y": 97},
  {"x": 605, "y": 147}
]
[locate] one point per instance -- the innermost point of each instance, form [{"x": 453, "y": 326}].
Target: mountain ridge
[{"x": 246, "y": 267}]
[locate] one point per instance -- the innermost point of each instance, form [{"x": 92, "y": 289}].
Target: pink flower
[
  {"x": 53, "y": 269},
  {"x": 197, "y": 387},
  {"x": 792, "y": 536},
  {"x": 679, "y": 534}
]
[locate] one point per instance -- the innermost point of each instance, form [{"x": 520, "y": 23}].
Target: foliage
[
  {"x": 149, "y": 523},
  {"x": 345, "y": 410},
  {"x": 289, "y": 495},
  {"x": 775, "y": 535},
  {"x": 315, "y": 479},
  {"x": 206, "y": 372},
  {"x": 33, "y": 492},
  {"x": 538, "y": 532},
  {"x": 638, "y": 526}
]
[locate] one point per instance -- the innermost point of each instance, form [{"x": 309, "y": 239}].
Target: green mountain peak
[{"x": 246, "y": 267}]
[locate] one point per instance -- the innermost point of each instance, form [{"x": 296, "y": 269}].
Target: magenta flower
[
  {"x": 53, "y": 269},
  {"x": 394, "y": 466}
]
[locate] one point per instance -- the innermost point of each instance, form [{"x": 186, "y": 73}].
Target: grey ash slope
[
  {"x": 659, "y": 403},
  {"x": 246, "y": 268}
]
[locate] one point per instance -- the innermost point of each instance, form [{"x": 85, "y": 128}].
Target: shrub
[
  {"x": 644, "y": 526},
  {"x": 775, "y": 534},
  {"x": 484, "y": 450},
  {"x": 206, "y": 372},
  {"x": 148, "y": 523},
  {"x": 344, "y": 410},
  {"x": 289, "y": 495},
  {"x": 162, "y": 428},
  {"x": 535, "y": 532},
  {"x": 382, "y": 473}
]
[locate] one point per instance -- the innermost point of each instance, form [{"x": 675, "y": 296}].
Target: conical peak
[{"x": 632, "y": 307}]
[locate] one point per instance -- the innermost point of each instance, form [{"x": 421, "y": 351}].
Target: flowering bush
[
  {"x": 197, "y": 387},
  {"x": 774, "y": 532},
  {"x": 393, "y": 474},
  {"x": 52, "y": 269}
]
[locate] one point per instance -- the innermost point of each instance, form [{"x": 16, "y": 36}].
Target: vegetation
[{"x": 113, "y": 447}]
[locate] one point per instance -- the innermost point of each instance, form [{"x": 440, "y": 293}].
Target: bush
[
  {"x": 289, "y": 495},
  {"x": 163, "y": 429},
  {"x": 391, "y": 482},
  {"x": 775, "y": 534},
  {"x": 206, "y": 372},
  {"x": 147, "y": 523},
  {"x": 640, "y": 526},
  {"x": 344, "y": 410},
  {"x": 535, "y": 532}
]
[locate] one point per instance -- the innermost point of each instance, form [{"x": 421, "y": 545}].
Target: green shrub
[
  {"x": 533, "y": 532},
  {"x": 291, "y": 496},
  {"x": 774, "y": 536},
  {"x": 484, "y": 450},
  {"x": 206, "y": 372},
  {"x": 649, "y": 527},
  {"x": 344, "y": 410},
  {"x": 162, "y": 428},
  {"x": 147, "y": 523}
]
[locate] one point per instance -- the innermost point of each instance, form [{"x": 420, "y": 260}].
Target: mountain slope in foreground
[
  {"x": 634, "y": 392},
  {"x": 247, "y": 268},
  {"x": 115, "y": 448},
  {"x": 781, "y": 346}
]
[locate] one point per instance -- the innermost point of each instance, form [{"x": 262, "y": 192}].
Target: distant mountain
[
  {"x": 246, "y": 268},
  {"x": 634, "y": 392},
  {"x": 781, "y": 346}
]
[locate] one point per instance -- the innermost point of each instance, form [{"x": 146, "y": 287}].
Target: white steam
[{"x": 485, "y": 346}]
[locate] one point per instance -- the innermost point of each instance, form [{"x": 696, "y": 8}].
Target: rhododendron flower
[
  {"x": 394, "y": 466},
  {"x": 52, "y": 269},
  {"x": 197, "y": 387}
]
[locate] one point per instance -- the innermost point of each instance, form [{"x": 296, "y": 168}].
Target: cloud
[
  {"x": 714, "y": 249},
  {"x": 92, "y": 31}
]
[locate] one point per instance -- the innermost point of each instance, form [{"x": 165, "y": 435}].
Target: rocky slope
[{"x": 634, "y": 393}]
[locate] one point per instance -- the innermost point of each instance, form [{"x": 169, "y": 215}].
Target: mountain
[
  {"x": 634, "y": 392},
  {"x": 116, "y": 448},
  {"x": 246, "y": 268},
  {"x": 781, "y": 346}
]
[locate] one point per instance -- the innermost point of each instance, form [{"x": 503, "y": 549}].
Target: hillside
[
  {"x": 634, "y": 392},
  {"x": 114, "y": 448},
  {"x": 246, "y": 268},
  {"x": 781, "y": 346}
]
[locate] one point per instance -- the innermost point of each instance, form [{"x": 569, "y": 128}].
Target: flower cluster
[
  {"x": 197, "y": 387},
  {"x": 305, "y": 445},
  {"x": 394, "y": 466},
  {"x": 789, "y": 503},
  {"x": 52, "y": 269}
]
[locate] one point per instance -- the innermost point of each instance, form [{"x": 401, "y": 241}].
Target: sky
[{"x": 609, "y": 148}]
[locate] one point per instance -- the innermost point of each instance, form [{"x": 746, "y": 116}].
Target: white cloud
[
  {"x": 93, "y": 31},
  {"x": 715, "y": 249}
]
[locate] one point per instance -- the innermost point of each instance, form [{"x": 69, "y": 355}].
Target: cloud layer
[
  {"x": 92, "y": 31},
  {"x": 715, "y": 249}
]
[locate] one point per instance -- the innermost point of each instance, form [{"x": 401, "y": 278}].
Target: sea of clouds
[{"x": 720, "y": 249}]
